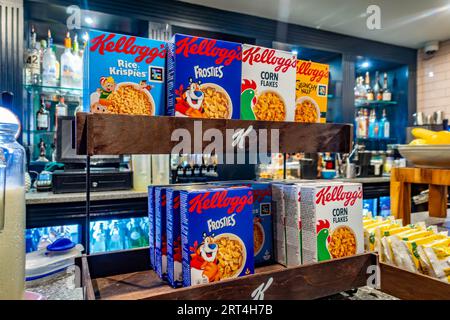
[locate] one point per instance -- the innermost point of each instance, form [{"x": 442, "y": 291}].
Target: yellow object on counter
[{"x": 425, "y": 137}]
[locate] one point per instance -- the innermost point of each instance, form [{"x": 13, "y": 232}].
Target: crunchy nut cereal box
[
  {"x": 216, "y": 234},
  {"x": 332, "y": 221},
  {"x": 262, "y": 219},
  {"x": 311, "y": 91},
  {"x": 203, "y": 78},
  {"x": 124, "y": 74},
  {"x": 268, "y": 84}
]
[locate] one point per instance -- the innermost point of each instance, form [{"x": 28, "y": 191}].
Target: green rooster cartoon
[
  {"x": 323, "y": 238},
  {"x": 248, "y": 99}
]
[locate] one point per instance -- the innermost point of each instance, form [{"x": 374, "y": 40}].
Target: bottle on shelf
[
  {"x": 32, "y": 61},
  {"x": 364, "y": 124},
  {"x": 77, "y": 65},
  {"x": 373, "y": 125},
  {"x": 180, "y": 168},
  {"x": 369, "y": 90},
  {"x": 61, "y": 109},
  {"x": 360, "y": 90},
  {"x": 377, "y": 88},
  {"x": 358, "y": 124},
  {"x": 67, "y": 63},
  {"x": 387, "y": 95},
  {"x": 188, "y": 167},
  {"x": 384, "y": 131},
  {"x": 42, "y": 117},
  {"x": 49, "y": 64}
]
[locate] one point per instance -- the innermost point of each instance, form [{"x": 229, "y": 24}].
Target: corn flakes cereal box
[
  {"x": 311, "y": 91},
  {"x": 268, "y": 84},
  {"x": 173, "y": 229},
  {"x": 332, "y": 221},
  {"x": 216, "y": 234},
  {"x": 262, "y": 219},
  {"x": 203, "y": 78},
  {"x": 124, "y": 74}
]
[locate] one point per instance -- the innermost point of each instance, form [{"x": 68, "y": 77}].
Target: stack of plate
[{"x": 427, "y": 156}]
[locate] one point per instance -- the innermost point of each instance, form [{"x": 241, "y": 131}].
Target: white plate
[{"x": 427, "y": 156}]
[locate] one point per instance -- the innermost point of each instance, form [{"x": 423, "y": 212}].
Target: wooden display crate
[
  {"x": 109, "y": 134},
  {"x": 125, "y": 275}
]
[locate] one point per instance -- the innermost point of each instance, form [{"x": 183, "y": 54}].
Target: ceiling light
[{"x": 365, "y": 64}]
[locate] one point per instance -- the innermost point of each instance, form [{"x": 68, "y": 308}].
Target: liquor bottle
[
  {"x": 77, "y": 65},
  {"x": 32, "y": 62},
  {"x": 188, "y": 168},
  {"x": 49, "y": 64},
  {"x": 373, "y": 125},
  {"x": 42, "y": 117},
  {"x": 384, "y": 131},
  {"x": 196, "y": 170},
  {"x": 58, "y": 67},
  {"x": 377, "y": 90},
  {"x": 369, "y": 91},
  {"x": 67, "y": 63},
  {"x": 358, "y": 124},
  {"x": 180, "y": 168},
  {"x": 364, "y": 124},
  {"x": 203, "y": 168},
  {"x": 387, "y": 95},
  {"x": 360, "y": 90},
  {"x": 136, "y": 237}
]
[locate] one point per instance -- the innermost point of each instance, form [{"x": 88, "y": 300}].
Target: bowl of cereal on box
[
  {"x": 131, "y": 98},
  {"x": 270, "y": 106},
  {"x": 342, "y": 242},
  {"x": 307, "y": 110},
  {"x": 258, "y": 237},
  {"x": 216, "y": 102},
  {"x": 231, "y": 255}
]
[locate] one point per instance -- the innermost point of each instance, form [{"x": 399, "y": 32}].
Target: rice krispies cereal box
[
  {"x": 268, "y": 84},
  {"x": 332, "y": 221},
  {"x": 173, "y": 229},
  {"x": 124, "y": 74},
  {"x": 262, "y": 219},
  {"x": 216, "y": 234},
  {"x": 311, "y": 91},
  {"x": 203, "y": 79}
]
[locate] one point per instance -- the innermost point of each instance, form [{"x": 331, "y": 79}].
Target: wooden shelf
[
  {"x": 108, "y": 134},
  {"x": 112, "y": 280}
]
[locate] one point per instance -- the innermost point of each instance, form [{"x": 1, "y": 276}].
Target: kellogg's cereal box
[
  {"x": 332, "y": 221},
  {"x": 216, "y": 234},
  {"x": 160, "y": 233},
  {"x": 124, "y": 74},
  {"x": 174, "y": 254},
  {"x": 203, "y": 78},
  {"x": 151, "y": 225},
  {"x": 279, "y": 227},
  {"x": 262, "y": 219},
  {"x": 311, "y": 91},
  {"x": 268, "y": 84}
]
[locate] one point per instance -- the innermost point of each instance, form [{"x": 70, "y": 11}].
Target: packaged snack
[
  {"x": 332, "y": 222},
  {"x": 279, "y": 227},
  {"x": 262, "y": 219},
  {"x": 436, "y": 256},
  {"x": 203, "y": 79},
  {"x": 268, "y": 84},
  {"x": 291, "y": 196},
  {"x": 151, "y": 225},
  {"x": 216, "y": 234},
  {"x": 124, "y": 74},
  {"x": 311, "y": 91},
  {"x": 160, "y": 232}
]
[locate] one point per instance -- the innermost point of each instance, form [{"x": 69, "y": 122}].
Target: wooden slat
[
  {"x": 106, "y": 134},
  {"x": 412, "y": 286},
  {"x": 439, "y": 177},
  {"x": 437, "y": 203},
  {"x": 303, "y": 282}
]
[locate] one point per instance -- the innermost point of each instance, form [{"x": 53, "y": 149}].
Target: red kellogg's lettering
[
  {"x": 254, "y": 54},
  {"x": 207, "y": 47},
  {"x": 260, "y": 194},
  {"x": 126, "y": 45},
  {"x": 220, "y": 200},
  {"x": 304, "y": 68},
  {"x": 163, "y": 200},
  {"x": 338, "y": 194},
  {"x": 176, "y": 202}
]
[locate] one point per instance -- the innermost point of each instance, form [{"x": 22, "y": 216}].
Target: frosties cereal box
[
  {"x": 268, "y": 84},
  {"x": 203, "y": 78},
  {"x": 311, "y": 91},
  {"x": 216, "y": 234},
  {"x": 124, "y": 74},
  {"x": 332, "y": 221},
  {"x": 262, "y": 219}
]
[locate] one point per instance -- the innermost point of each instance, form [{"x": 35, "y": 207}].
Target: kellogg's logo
[
  {"x": 304, "y": 68},
  {"x": 220, "y": 200},
  {"x": 163, "y": 200},
  {"x": 260, "y": 194},
  {"x": 207, "y": 47},
  {"x": 338, "y": 194},
  {"x": 176, "y": 202},
  {"x": 126, "y": 45},
  {"x": 254, "y": 54}
]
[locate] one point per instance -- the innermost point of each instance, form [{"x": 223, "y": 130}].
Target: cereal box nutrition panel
[
  {"x": 124, "y": 74},
  {"x": 268, "y": 84},
  {"x": 216, "y": 234},
  {"x": 332, "y": 221},
  {"x": 311, "y": 92},
  {"x": 203, "y": 78}
]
